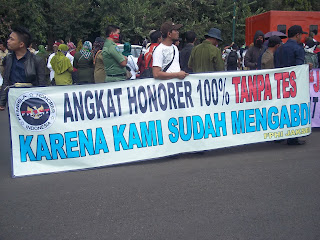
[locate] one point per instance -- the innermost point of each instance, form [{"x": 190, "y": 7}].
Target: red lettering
[
  {"x": 244, "y": 91},
  {"x": 293, "y": 90},
  {"x": 278, "y": 78},
  {"x": 316, "y": 86},
  {"x": 235, "y": 82},
  {"x": 311, "y": 78},
  {"x": 252, "y": 87},
  {"x": 267, "y": 88},
  {"x": 260, "y": 81},
  {"x": 285, "y": 84}
]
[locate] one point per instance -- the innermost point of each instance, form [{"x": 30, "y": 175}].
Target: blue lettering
[
  {"x": 56, "y": 143},
  {"x": 134, "y": 138},
  {"x": 85, "y": 143},
  {"x": 185, "y": 136},
  {"x": 42, "y": 148},
  {"x": 261, "y": 119},
  {"x": 237, "y": 122},
  {"x": 295, "y": 117},
  {"x": 159, "y": 131},
  {"x": 148, "y": 134},
  {"x": 305, "y": 114},
  {"x": 220, "y": 124},
  {"x": 25, "y": 148},
  {"x": 118, "y": 137},
  {"x": 71, "y": 144},
  {"x": 198, "y": 129},
  {"x": 273, "y": 120},
  {"x": 284, "y": 117},
  {"x": 101, "y": 143},
  {"x": 172, "y": 123},
  {"x": 209, "y": 128},
  {"x": 250, "y": 119}
]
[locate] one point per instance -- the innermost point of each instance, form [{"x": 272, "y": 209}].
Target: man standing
[
  {"x": 267, "y": 59},
  {"x": 166, "y": 55},
  {"x": 291, "y": 54},
  {"x": 252, "y": 55},
  {"x": 3, "y": 53},
  {"x": 206, "y": 57},
  {"x": 21, "y": 65},
  {"x": 156, "y": 39},
  {"x": 114, "y": 62},
  {"x": 186, "y": 51}
]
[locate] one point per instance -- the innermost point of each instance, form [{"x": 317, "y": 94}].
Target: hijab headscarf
[
  {"x": 71, "y": 46},
  {"x": 97, "y": 45},
  {"x": 126, "y": 49},
  {"x": 60, "y": 63},
  {"x": 42, "y": 52},
  {"x": 86, "y": 50}
]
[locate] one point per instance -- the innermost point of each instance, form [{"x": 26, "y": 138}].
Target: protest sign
[
  {"x": 315, "y": 97},
  {"x": 66, "y": 128}
]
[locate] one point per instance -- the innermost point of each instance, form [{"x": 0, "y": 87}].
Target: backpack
[
  {"x": 232, "y": 61},
  {"x": 147, "y": 73}
]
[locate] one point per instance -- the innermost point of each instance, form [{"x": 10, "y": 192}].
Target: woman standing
[
  {"x": 99, "y": 72},
  {"x": 83, "y": 62},
  {"x": 45, "y": 56},
  {"x": 61, "y": 66}
]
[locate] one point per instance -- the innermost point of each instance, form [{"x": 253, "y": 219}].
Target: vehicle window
[{"x": 282, "y": 28}]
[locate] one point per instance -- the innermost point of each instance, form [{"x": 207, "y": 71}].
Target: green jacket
[
  {"x": 206, "y": 58},
  {"x": 112, "y": 57}
]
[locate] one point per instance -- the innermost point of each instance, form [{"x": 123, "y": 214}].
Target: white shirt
[
  {"x": 50, "y": 67},
  {"x": 163, "y": 55},
  {"x": 133, "y": 67}
]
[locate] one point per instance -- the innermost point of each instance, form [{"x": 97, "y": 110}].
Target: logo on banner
[{"x": 35, "y": 111}]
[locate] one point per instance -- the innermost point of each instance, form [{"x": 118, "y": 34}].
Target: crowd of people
[{"x": 161, "y": 58}]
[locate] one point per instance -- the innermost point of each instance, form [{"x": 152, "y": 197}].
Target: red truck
[{"x": 281, "y": 21}]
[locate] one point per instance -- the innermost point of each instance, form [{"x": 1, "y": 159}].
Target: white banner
[{"x": 65, "y": 128}]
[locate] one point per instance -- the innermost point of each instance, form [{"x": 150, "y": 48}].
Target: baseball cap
[
  {"x": 295, "y": 29},
  {"x": 169, "y": 26},
  {"x": 273, "y": 41}
]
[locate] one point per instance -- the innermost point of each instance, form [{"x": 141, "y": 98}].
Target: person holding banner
[
  {"x": 166, "y": 56},
  {"x": 22, "y": 67},
  {"x": 291, "y": 54},
  {"x": 206, "y": 57}
]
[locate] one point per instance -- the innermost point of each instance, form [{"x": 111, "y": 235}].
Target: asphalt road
[{"x": 258, "y": 191}]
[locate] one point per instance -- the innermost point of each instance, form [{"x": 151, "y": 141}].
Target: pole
[{"x": 234, "y": 20}]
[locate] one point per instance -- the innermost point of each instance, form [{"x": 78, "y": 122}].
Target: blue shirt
[
  {"x": 17, "y": 74},
  {"x": 289, "y": 54}
]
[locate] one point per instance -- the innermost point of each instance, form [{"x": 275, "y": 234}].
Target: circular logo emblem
[{"x": 35, "y": 111}]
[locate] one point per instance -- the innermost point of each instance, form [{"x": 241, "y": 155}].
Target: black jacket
[
  {"x": 34, "y": 68},
  {"x": 252, "y": 55},
  {"x": 184, "y": 58}
]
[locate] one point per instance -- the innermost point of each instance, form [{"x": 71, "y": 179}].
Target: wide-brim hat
[{"x": 214, "y": 33}]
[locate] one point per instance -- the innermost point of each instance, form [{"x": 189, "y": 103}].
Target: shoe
[{"x": 295, "y": 141}]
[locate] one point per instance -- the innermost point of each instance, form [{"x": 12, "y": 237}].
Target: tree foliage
[{"x": 76, "y": 20}]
